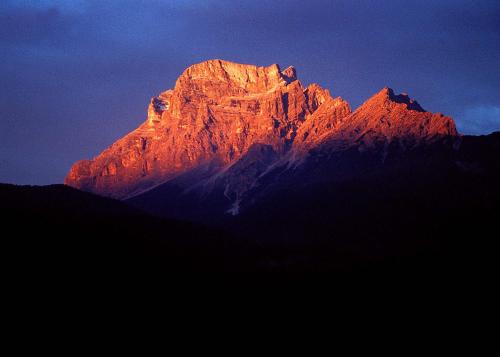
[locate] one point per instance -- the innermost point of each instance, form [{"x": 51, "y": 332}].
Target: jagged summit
[
  {"x": 218, "y": 110},
  {"x": 387, "y": 95},
  {"x": 235, "y": 76},
  {"x": 388, "y": 117}
]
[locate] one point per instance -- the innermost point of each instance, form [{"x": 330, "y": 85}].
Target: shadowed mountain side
[
  {"x": 207, "y": 197},
  {"x": 429, "y": 209},
  {"x": 261, "y": 172},
  {"x": 430, "y": 213}
]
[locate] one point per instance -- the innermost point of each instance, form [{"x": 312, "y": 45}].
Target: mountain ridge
[{"x": 218, "y": 110}]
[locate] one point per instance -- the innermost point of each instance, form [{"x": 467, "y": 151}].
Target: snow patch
[{"x": 235, "y": 208}]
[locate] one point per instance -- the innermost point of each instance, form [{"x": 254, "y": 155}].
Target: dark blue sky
[{"x": 77, "y": 75}]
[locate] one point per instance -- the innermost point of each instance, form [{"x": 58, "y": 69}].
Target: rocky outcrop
[
  {"x": 219, "y": 110},
  {"x": 388, "y": 117},
  {"x": 327, "y": 114}
]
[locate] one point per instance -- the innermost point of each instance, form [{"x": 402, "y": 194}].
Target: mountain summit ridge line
[{"x": 218, "y": 110}]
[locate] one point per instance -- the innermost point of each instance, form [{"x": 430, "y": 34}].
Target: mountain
[{"x": 227, "y": 129}]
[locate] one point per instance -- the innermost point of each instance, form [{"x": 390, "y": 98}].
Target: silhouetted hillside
[{"x": 66, "y": 231}]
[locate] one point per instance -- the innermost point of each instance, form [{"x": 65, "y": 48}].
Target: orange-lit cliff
[{"x": 219, "y": 110}]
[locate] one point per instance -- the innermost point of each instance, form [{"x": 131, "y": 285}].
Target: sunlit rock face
[
  {"x": 215, "y": 113},
  {"x": 387, "y": 117},
  {"x": 218, "y": 110}
]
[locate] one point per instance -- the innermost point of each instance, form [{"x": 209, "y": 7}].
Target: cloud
[
  {"x": 32, "y": 25},
  {"x": 480, "y": 120}
]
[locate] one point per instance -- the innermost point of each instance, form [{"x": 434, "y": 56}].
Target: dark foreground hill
[{"x": 65, "y": 231}]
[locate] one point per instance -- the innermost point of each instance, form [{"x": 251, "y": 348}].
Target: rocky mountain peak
[
  {"x": 219, "y": 110},
  {"x": 387, "y": 117},
  {"x": 387, "y": 97},
  {"x": 237, "y": 78}
]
